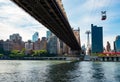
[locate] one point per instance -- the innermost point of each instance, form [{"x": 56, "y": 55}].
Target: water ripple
[{"x": 59, "y": 71}]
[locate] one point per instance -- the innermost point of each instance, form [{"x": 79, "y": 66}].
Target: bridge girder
[{"x": 51, "y": 16}]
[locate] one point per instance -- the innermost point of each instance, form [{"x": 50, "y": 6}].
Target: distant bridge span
[{"x": 49, "y": 13}]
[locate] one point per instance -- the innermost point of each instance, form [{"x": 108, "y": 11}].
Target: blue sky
[{"x": 81, "y": 13}]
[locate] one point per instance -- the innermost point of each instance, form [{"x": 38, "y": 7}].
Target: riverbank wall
[
  {"x": 106, "y": 58},
  {"x": 45, "y": 58}
]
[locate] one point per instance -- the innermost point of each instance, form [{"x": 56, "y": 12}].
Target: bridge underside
[{"x": 50, "y": 15}]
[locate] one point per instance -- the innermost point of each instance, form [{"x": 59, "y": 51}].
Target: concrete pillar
[
  {"x": 110, "y": 59},
  {"x": 101, "y": 59},
  {"x": 118, "y": 58},
  {"x": 114, "y": 59},
  {"x": 105, "y": 59}
]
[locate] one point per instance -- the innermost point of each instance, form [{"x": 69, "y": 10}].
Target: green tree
[
  {"x": 35, "y": 53},
  {"x": 21, "y": 55},
  {"x": 17, "y": 54},
  {"x": 39, "y": 53},
  {"x": 23, "y": 50},
  {"x": 42, "y": 52},
  {"x": 1, "y": 55}
]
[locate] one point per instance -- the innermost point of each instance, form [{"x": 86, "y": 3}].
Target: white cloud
[
  {"x": 4, "y": 1},
  {"x": 26, "y": 33},
  {"x": 15, "y": 20}
]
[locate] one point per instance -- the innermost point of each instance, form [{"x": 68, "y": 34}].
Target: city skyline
[{"x": 15, "y": 20}]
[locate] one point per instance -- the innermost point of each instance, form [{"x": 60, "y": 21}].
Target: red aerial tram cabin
[{"x": 103, "y": 13}]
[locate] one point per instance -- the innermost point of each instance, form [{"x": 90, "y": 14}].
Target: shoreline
[
  {"x": 45, "y": 58},
  {"x": 94, "y": 59}
]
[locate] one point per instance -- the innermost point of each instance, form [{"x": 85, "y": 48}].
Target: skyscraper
[
  {"x": 49, "y": 33},
  {"x": 43, "y": 43},
  {"x": 108, "y": 47},
  {"x": 97, "y": 39},
  {"x": 37, "y": 45},
  {"x": 35, "y": 37},
  {"x": 7, "y": 45},
  {"x": 16, "y": 42},
  {"x": 53, "y": 43},
  {"x": 29, "y": 45},
  {"x": 1, "y": 46},
  {"x": 77, "y": 34},
  {"x": 15, "y": 37},
  {"x": 117, "y": 44}
]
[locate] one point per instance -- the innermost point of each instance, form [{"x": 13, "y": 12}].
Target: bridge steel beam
[{"x": 51, "y": 16}]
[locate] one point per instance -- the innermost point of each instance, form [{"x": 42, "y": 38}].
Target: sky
[{"x": 80, "y": 13}]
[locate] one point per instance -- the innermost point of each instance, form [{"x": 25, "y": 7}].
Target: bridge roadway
[{"x": 49, "y": 13}]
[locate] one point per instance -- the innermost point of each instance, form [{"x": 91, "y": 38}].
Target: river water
[{"x": 58, "y": 71}]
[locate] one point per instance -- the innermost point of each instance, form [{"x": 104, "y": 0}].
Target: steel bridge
[{"x": 51, "y": 15}]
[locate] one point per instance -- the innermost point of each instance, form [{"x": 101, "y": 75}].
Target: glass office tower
[
  {"x": 97, "y": 39},
  {"x": 117, "y": 44},
  {"x": 35, "y": 37}
]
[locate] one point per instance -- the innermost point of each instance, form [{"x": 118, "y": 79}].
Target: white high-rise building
[{"x": 29, "y": 45}]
